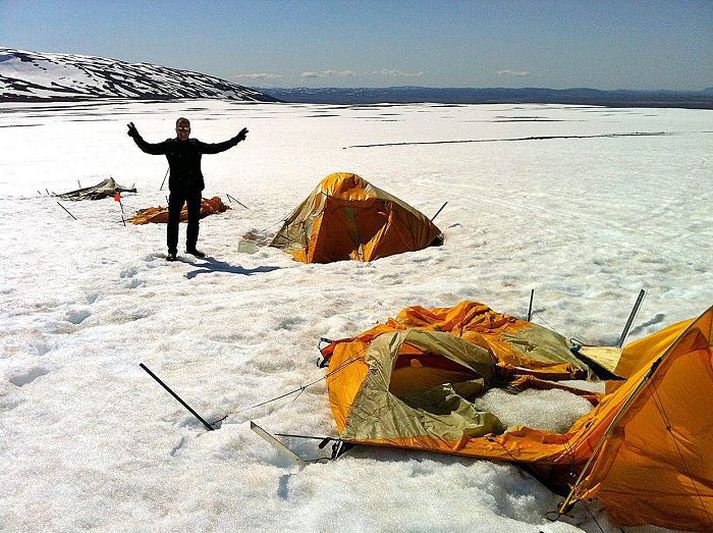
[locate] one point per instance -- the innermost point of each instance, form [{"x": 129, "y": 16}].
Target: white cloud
[
  {"x": 340, "y": 73},
  {"x": 394, "y": 73},
  {"x": 508, "y": 72},
  {"x": 259, "y": 76},
  {"x": 329, "y": 74}
]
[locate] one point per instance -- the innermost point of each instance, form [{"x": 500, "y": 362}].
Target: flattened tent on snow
[
  {"x": 104, "y": 189},
  {"x": 346, "y": 217},
  {"x": 159, "y": 215},
  {"x": 644, "y": 450}
]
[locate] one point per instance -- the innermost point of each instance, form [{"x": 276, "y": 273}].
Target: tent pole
[
  {"x": 164, "y": 179},
  {"x": 529, "y": 308},
  {"x": 208, "y": 426},
  {"x": 231, "y": 198},
  {"x": 438, "y": 212},
  {"x": 630, "y": 320},
  {"x": 70, "y": 214}
]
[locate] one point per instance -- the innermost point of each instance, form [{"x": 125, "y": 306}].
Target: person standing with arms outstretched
[{"x": 185, "y": 181}]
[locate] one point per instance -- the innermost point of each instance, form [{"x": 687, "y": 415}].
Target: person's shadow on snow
[{"x": 213, "y": 265}]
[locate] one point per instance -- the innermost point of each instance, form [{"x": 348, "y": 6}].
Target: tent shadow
[{"x": 213, "y": 265}]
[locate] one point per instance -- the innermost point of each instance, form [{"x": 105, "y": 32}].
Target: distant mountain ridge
[
  {"x": 35, "y": 76},
  {"x": 579, "y": 96}
]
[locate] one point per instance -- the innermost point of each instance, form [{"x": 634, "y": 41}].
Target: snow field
[{"x": 87, "y": 439}]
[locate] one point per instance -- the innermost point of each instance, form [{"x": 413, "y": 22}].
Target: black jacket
[{"x": 184, "y": 159}]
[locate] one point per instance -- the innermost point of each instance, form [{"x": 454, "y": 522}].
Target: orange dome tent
[
  {"x": 346, "y": 217},
  {"x": 643, "y": 451}
]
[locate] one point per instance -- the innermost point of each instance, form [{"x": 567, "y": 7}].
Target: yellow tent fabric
[
  {"x": 159, "y": 215},
  {"x": 655, "y": 464},
  {"x": 521, "y": 347},
  {"x": 346, "y": 217},
  {"x": 643, "y": 450}
]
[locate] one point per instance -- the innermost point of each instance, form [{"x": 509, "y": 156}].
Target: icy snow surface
[{"x": 88, "y": 440}]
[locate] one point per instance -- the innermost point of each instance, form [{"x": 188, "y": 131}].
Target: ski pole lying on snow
[{"x": 209, "y": 427}]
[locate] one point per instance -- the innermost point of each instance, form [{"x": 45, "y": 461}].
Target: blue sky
[{"x": 623, "y": 44}]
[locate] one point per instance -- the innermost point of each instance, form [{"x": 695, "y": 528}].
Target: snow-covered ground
[{"x": 88, "y": 440}]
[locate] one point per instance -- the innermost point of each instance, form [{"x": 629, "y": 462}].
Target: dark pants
[{"x": 175, "y": 204}]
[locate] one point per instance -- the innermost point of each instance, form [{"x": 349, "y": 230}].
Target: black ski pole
[
  {"x": 70, "y": 214},
  {"x": 208, "y": 426}
]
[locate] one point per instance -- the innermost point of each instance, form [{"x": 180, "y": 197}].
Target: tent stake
[
  {"x": 79, "y": 183},
  {"x": 70, "y": 214},
  {"x": 208, "y": 426},
  {"x": 48, "y": 192},
  {"x": 438, "y": 212},
  {"x": 529, "y": 309}
]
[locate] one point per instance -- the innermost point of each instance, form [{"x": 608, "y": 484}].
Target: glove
[
  {"x": 241, "y": 136},
  {"x": 133, "y": 132}
]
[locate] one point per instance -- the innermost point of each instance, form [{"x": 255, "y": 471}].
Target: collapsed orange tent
[
  {"x": 643, "y": 450},
  {"x": 159, "y": 215},
  {"x": 346, "y": 217}
]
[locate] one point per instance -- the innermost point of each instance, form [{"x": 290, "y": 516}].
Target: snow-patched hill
[{"x": 35, "y": 76}]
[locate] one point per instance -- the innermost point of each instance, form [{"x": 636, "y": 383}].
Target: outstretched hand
[
  {"x": 241, "y": 136},
  {"x": 133, "y": 132}
]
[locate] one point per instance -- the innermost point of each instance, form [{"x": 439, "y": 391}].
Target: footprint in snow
[
  {"x": 25, "y": 377},
  {"x": 129, "y": 275},
  {"x": 78, "y": 315}
]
